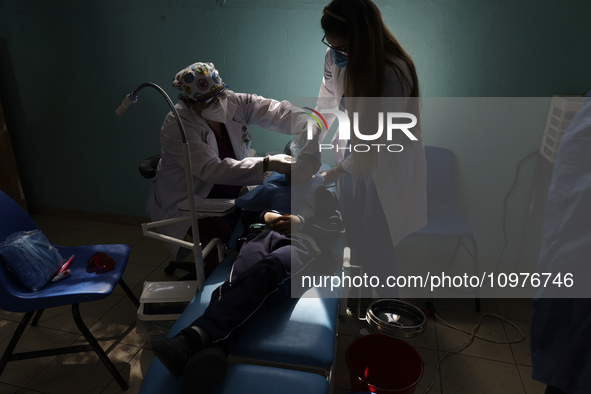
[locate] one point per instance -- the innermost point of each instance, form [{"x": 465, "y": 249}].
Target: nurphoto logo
[{"x": 344, "y": 132}]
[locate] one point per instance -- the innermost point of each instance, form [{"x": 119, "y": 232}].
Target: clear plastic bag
[
  {"x": 31, "y": 257},
  {"x": 153, "y": 330}
]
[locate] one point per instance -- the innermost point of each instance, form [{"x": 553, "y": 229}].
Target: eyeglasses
[
  {"x": 341, "y": 50},
  {"x": 101, "y": 260},
  {"x": 215, "y": 97}
]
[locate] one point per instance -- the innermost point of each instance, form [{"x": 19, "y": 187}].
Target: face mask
[
  {"x": 339, "y": 59},
  {"x": 216, "y": 112}
]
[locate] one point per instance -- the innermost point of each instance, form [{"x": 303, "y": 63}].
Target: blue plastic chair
[
  {"x": 81, "y": 286},
  {"x": 443, "y": 217}
]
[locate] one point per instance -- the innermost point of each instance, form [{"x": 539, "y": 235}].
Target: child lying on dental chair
[{"x": 279, "y": 247}]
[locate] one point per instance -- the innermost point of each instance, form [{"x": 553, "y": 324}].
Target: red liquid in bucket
[{"x": 380, "y": 364}]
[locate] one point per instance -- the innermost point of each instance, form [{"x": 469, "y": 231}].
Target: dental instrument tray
[
  {"x": 209, "y": 206},
  {"x": 396, "y": 318}
]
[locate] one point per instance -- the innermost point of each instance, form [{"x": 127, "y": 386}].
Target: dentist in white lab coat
[
  {"x": 384, "y": 193},
  {"x": 216, "y": 122}
]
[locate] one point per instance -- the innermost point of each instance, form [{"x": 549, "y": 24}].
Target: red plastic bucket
[{"x": 380, "y": 364}]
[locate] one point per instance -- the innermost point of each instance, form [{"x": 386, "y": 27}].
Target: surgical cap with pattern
[{"x": 197, "y": 79}]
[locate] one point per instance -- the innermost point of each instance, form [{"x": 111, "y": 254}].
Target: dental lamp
[{"x": 196, "y": 244}]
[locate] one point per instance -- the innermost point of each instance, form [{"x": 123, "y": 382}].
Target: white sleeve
[
  {"x": 346, "y": 164},
  {"x": 205, "y": 162},
  {"x": 271, "y": 114},
  {"x": 327, "y": 96}
]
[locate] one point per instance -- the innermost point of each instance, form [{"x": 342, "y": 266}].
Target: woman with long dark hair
[{"x": 383, "y": 191}]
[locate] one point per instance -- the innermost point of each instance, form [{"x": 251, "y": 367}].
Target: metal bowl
[{"x": 396, "y": 318}]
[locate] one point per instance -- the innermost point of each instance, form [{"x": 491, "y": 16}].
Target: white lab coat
[
  {"x": 400, "y": 178},
  {"x": 560, "y": 327},
  {"x": 169, "y": 187}
]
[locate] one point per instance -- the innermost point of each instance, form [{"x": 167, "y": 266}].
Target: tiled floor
[{"x": 483, "y": 368}]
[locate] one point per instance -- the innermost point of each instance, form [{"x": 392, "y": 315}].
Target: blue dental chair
[
  {"x": 293, "y": 332},
  {"x": 243, "y": 379},
  {"x": 296, "y": 333},
  {"x": 81, "y": 286}
]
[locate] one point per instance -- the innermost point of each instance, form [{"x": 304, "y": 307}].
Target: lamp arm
[
  {"x": 170, "y": 104},
  {"x": 197, "y": 250}
]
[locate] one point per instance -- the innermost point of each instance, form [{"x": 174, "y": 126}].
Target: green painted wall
[{"x": 67, "y": 64}]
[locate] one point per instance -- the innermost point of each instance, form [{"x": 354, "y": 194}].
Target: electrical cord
[
  {"x": 505, "y": 207},
  {"x": 473, "y": 334},
  {"x": 466, "y": 344},
  {"x": 505, "y": 216}
]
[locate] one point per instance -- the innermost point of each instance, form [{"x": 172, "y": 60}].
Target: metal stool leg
[
  {"x": 456, "y": 250},
  {"x": 476, "y": 271}
]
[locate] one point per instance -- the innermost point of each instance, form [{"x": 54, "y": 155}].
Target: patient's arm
[
  {"x": 283, "y": 223},
  {"x": 324, "y": 224},
  {"x": 321, "y": 219}
]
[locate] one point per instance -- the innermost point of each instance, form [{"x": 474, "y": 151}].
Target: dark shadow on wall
[{"x": 11, "y": 102}]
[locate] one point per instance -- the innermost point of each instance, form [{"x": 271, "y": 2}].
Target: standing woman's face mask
[
  {"x": 338, "y": 50},
  {"x": 340, "y": 59}
]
